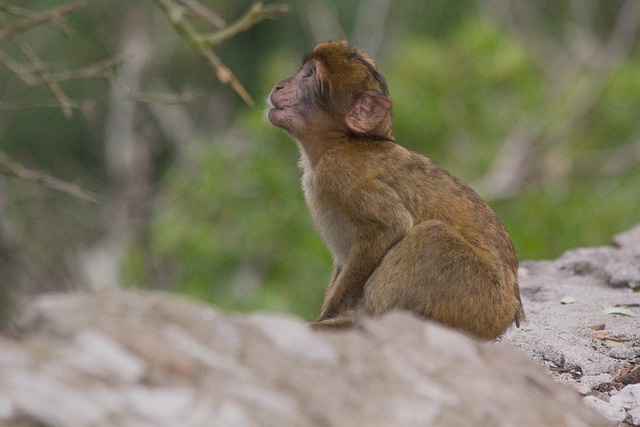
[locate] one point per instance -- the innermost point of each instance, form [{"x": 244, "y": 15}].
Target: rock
[
  {"x": 126, "y": 358},
  {"x": 633, "y": 416},
  {"x": 618, "y": 267},
  {"x": 579, "y": 343},
  {"x": 627, "y": 398},
  {"x": 629, "y": 240},
  {"x": 628, "y": 401},
  {"x": 151, "y": 359},
  {"x": 613, "y": 413}
]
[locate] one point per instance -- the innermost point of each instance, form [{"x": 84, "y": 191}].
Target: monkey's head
[{"x": 337, "y": 92}]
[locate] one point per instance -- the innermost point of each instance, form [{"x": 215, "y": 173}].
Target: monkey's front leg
[
  {"x": 337, "y": 268},
  {"x": 375, "y": 221},
  {"x": 346, "y": 318},
  {"x": 346, "y": 290}
]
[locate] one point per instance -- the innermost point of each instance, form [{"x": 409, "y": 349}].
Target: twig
[
  {"x": 99, "y": 70},
  {"x": 204, "y": 13},
  {"x": 203, "y": 43},
  {"x": 225, "y": 75},
  {"x": 50, "y": 15},
  {"x": 87, "y": 106},
  {"x": 23, "y": 72},
  {"x": 38, "y": 65},
  {"x": 11, "y": 167},
  {"x": 175, "y": 14},
  {"x": 258, "y": 12},
  {"x": 35, "y": 72}
]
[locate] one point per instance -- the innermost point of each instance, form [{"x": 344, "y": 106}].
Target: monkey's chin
[{"x": 277, "y": 117}]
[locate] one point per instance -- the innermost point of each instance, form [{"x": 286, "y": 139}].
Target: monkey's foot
[{"x": 342, "y": 322}]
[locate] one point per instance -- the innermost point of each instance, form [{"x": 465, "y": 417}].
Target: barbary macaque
[{"x": 403, "y": 232}]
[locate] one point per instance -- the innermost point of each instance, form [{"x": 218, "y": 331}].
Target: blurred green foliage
[{"x": 456, "y": 99}]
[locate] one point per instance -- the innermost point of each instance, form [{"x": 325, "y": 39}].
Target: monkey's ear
[{"x": 368, "y": 112}]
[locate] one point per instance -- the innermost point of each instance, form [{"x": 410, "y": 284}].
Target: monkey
[{"x": 403, "y": 232}]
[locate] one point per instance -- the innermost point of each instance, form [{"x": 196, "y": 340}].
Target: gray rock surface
[
  {"x": 583, "y": 323},
  {"x": 151, "y": 359}
]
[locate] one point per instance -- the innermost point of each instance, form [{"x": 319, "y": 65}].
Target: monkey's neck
[
  {"x": 313, "y": 147},
  {"x": 357, "y": 137}
]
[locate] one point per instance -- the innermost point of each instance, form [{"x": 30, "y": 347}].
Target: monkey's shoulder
[
  {"x": 354, "y": 164},
  {"x": 365, "y": 160}
]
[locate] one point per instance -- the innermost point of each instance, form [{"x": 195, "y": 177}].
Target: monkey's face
[
  {"x": 286, "y": 99},
  {"x": 296, "y": 103}
]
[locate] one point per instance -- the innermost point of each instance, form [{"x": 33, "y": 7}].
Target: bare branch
[
  {"x": 258, "y": 12},
  {"x": 34, "y": 20},
  {"x": 22, "y": 71},
  {"x": 54, "y": 87},
  {"x": 99, "y": 70},
  {"x": 87, "y": 107},
  {"x": 11, "y": 167},
  {"x": 35, "y": 72},
  {"x": 204, "y": 13},
  {"x": 203, "y": 43},
  {"x": 225, "y": 75}
]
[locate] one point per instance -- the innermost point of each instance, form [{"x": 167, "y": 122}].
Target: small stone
[
  {"x": 593, "y": 382},
  {"x": 622, "y": 352},
  {"x": 633, "y": 416},
  {"x": 614, "y": 413},
  {"x": 628, "y": 397},
  {"x": 629, "y": 239}
]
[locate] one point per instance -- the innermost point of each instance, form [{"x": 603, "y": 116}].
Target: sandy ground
[{"x": 583, "y": 323}]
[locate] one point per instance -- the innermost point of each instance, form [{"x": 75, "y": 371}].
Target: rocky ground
[
  {"x": 583, "y": 323},
  {"x": 151, "y": 359}
]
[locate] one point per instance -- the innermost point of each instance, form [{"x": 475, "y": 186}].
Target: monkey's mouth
[
  {"x": 278, "y": 112},
  {"x": 279, "y": 105}
]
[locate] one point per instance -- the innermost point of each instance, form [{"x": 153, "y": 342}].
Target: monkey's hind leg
[{"x": 436, "y": 273}]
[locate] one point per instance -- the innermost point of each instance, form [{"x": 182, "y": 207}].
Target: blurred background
[{"x": 534, "y": 104}]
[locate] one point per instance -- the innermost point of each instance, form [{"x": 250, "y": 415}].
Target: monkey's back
[{"x": 427, "y": 192}]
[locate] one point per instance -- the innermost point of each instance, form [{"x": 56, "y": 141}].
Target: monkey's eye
[{"x": 307, "y": 72}]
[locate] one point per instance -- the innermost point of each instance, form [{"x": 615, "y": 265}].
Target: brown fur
[{"x": 403, "y": 232}]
